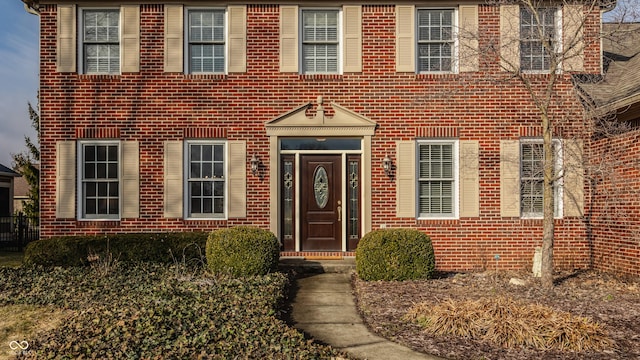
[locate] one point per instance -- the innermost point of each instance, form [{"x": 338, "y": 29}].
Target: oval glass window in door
[{"x": 321, "y": 186}]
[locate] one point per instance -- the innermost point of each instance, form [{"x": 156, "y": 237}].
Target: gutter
[{"x": 31, "y": 6}]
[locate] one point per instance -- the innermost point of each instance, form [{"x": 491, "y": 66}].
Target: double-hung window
[
  {"x": 532, "y": 178},
  {"x": 538, "y": 38},
  {"x": 435, "y": 37},
  {"x": 100, "y": 41},
  {"x": 320, "y": 41},
  {"x": 206, "y": 179},
  {"x": 100, "y": 180},
  {"x": 437, "y": 179},
  {"x": 206, "y": 45}
]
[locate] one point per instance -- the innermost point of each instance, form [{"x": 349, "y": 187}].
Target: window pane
[{"x": 196, "y": 189}]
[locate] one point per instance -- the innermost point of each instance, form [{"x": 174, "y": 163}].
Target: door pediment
[{"x": 344, "y": 122}]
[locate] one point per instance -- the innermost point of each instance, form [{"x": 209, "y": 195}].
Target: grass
[
  {"x": 11, "y": 258},
  {"x": 509, "y": 323}
]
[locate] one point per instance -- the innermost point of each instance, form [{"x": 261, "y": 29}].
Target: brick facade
[{"x": 152, "y": 106}]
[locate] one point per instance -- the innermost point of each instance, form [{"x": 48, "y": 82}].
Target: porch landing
[{"x": 318, "y": 262}]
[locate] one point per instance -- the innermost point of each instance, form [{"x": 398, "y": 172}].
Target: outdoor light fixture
[
  {"x": 386, "y": 165},
  {"x": 255, "y": 163}
]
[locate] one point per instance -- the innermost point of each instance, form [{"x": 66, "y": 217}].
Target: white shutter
[
  {"x": 173, "y": 175},
  {"x": 510, "y": 37},
  {"x": 65, "y": 179},
  {"x": 469, "y": 179},
  {"x": 130, "y": 45},
  {"x": 510, "y": 178},
  {"x": 352, "y": 35},
  {"x": 406, "y": 179},
  {"x": 237, "y": 39},
  {"x": 173, "y": 38},
  {"x": 237, "y": 178},
  {"x": 405, "y": 38},
  {"x": 468, "y": 38},
  {"x": 66, "y": 39},
  {"x": 130, "y": 194},
  {"x": 289, "y": 38}
]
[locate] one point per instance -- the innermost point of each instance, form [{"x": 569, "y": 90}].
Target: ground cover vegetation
[{"x": 150, "y": 310}]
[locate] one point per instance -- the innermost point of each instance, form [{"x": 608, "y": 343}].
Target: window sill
[
  {"x": 206, "y": 76},
  {"x": 436, "y": 75},
  {"x": 320, "y": 76}
]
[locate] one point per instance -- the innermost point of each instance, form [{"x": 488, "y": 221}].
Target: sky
[{"x": 19, "y": 76}]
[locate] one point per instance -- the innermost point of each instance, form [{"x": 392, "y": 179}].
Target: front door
[{"x": 321, "y": 207}]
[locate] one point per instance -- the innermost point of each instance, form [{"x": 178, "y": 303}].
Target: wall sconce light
[
  {"x": 255, "y": 164},
  {"x": 387, "y": 165}
]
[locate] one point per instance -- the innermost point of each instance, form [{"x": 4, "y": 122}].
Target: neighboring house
[
  {"x": 7, "y": 177},
  {"x": 318, "y": 122},
  {"x": 20, "y": 193},
  {"x": 615, "y": 210}
]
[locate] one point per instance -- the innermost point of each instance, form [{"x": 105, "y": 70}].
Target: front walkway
[{"x": 324, "y": 308}]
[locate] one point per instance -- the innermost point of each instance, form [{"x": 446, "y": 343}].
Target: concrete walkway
[{"x": 324, "y": 308}]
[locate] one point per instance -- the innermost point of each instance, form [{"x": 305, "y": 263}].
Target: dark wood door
[{"x": 321, "y": 202}]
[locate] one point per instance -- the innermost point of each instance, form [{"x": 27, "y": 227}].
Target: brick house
[{"x": 318, "y": 122}]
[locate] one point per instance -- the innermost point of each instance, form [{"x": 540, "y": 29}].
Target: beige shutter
[
  {"x": 352, "y": 35},
  {"x": 237, "y": 39},
  {"x": 405, "y": 38},
  {"x": 406, "y": 179},
  {"x": 130, "y": 45},
  {"x": 237, "y": 186},
  {"x": 288, "y": 38},
  {"x": 510, "y": 178},
  {"x": 65, "y": 179},
  {"x": 173, "y": 174},
  {"x": 573, "y": 38},
  {"x": 573, "y": 178},
  {"x": 66, "y": 39},
  {"x": 130, "y": 179},
  {"x": 469, "y": 179},
  {"x": 510, "y": 37},
  {"x": 173, "y": 38},
  {"x": 468, "y": 38}
]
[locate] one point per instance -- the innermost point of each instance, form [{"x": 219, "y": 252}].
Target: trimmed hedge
[
  {"x": 395, "y": 254},
  {"x": 148, "y": 247},
  {"x": 243, "y": 251}
]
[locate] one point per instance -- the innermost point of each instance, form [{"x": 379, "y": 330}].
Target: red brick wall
[
  {"x": 615, "y": 209},
  {"x": 152, "y": 107}
]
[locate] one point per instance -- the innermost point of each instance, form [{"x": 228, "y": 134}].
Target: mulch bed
[{"x": 611, "y": 301}]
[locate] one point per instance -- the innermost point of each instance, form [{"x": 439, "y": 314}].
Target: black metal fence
[{"x": 17, "y": 231}]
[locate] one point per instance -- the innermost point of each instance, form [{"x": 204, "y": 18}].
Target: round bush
[
  {"x": 242, "y": 251},
  {"x": 395, "y": 254}
]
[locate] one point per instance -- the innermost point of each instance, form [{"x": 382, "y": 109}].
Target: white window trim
[
  {"x": 455, "y": 66},
  {"x": 186, "y": 53},
  {"x": 558, "y": 167},
  {"x": 80, "y": 42},
  {"x": 558, "y": 42},
  {"x": 456, "y": 179},
  {"x": 80, "y": 177},
  {"x": 301, "y": 40},
  {"x": 186, "y": 169}
]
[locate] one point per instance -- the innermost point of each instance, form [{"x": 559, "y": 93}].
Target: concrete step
[{"x": 303, "y": 265}]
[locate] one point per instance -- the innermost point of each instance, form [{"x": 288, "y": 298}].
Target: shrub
[
  {"x": 148, "y": 247},
  {"x": 242, "y": 251},
  {"x": 395, "y": 254}
]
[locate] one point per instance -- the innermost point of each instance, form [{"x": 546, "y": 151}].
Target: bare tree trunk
[{"x": 548, "y": 225}]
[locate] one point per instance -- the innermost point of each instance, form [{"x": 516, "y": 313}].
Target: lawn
[
  {"x": 149, "y": 311},
  {"x": 11, "y": 258}
]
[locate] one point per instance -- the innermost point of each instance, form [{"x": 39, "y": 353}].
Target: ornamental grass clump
[
  {"x": 509, "y": 323},
  {"x": 395, "y": 254},
  {"x": 242, "y": 251}
]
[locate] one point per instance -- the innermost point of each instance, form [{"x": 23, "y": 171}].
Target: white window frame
[
  {"x": 455, "y": 143},
  {"x": 558, "y": 187},
  {"x": 187, "y": 43},
  {"x": 82, "y": 180},
  {"x": 454, "y": 41},
  {"x": 557, "y": 14},
  {"x": 81, "y": 42},
  {"x": 187, "y": 180},
  {"x": 302, "y": 42}
]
